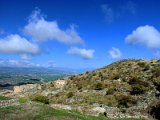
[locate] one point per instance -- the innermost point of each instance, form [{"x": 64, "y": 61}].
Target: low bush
[
  {"x": 70, "y": 94},
  {"x": 141, "y": 64},
  {"x": 135, "y": 81},
  {"x": 110, "y": 91},
  {"x": 98, "y": 86},
  {"x": 41, "y": 98},
  {"x": 156, "y": 72},
  {"x": 138, "y": 89},
  {"x": 125, "y": 100}
]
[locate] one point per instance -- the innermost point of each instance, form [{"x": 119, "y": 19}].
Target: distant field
[{"x": 18, "y": 76}]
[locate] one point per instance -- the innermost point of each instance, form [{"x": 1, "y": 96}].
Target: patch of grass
[
  {"x": 6, "y": 110},
  {"x": 4, "y": 98},
  {"x": 22, "y": 100},
  {"x": 44, "y": 112}
]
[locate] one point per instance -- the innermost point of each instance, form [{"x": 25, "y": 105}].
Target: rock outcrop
[
  {"x": 60, "y": 83},
  {"x": 25, "y": 88}
]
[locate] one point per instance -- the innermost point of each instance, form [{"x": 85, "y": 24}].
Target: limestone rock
[{"x": 25, "y": 88}]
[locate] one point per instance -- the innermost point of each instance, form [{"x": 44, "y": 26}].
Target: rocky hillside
[
  {"x": 124, "y": 89},
  {"x": 131, "y": 86}
]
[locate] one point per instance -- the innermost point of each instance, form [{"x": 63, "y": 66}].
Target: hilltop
[{"x": 127, "y": 88}]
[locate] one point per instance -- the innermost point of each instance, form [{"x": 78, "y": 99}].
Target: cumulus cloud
[
  {"x": 84, "y": 53},
  {"x": 147, "y": 36},
  {"x": 115, "y": 53},
  {"x": 15, "y": 44},
  {"x": 25, "y": 57},
  {"x": 41, "y": 30}
]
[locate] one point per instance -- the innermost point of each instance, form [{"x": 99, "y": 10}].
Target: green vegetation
[
  {"x": 125, "y": 101},
  {"x": 70, "y": 94},
  {"x": 141, "y": 64},
  {"x": 6, "y": 110},
  {"x": 4, "y": 98},
  {"x": 22, "y": 100},
  {"x": 138, "y": 89},
  {"x": 110, "y": 91},
  {"x": 41, "y": 98},
  {"x": 98, "y": 86},
  {"x": 156, "y": 72},
  {"x": 121, "y": 87},
  {"x": 44, "y": 112}
]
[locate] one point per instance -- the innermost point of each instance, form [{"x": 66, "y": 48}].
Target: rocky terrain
[{"x": 125, "y": 89}]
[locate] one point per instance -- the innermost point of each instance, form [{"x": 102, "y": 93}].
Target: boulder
[{"x": 99, "y": 110}]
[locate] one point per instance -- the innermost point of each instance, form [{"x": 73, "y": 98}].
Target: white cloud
[
  {"x": 41, "y": 30},
  {"x": 13, "y": 63},
  {"x": 108, "y": 13},
  {"x": 84, "y": 53},
  {"x": 49, "y": 64},
  {"x": 115, "y": 53},
  {"x": 24, "y": 63},
  {"x": 25, "y": 57},
  {"x": 145, "y": 35},
  {"x": 16, "y": 44},
  {"x": 130, "y": 7},
  {"x": 112, "y": 13}
]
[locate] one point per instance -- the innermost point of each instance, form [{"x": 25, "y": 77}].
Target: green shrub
[
  {"x": 156, "y": 72},
  {"x": 70, "y": 94},
  {"x": 110, "y": 91},
  {"x": 72, "y": 77},
  {"x": 141, "y": 64},
  {"x": 114, "y": 76},
  {"x": 87, "y": 72},
  {"x": 138, "y": 89},
  {"x": 146, "y": 67},
  {"x": 100, "y": 74},
  {"x": 94, "y": 73},
  {"x": 98, "y": 86},
  {"x": 125, "y": 100},
  {"x": 41, "y": 98},
  {"x": 135, "y": 81},
  {"x": 51, "y": 84}
]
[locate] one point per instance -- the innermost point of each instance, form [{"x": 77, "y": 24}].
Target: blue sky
[{"x": 77, "y": 33}]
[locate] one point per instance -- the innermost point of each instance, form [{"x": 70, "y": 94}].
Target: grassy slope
[{"x": 43, "y": 112}]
